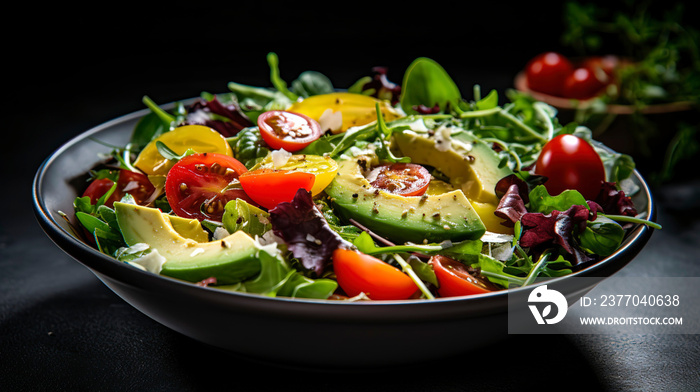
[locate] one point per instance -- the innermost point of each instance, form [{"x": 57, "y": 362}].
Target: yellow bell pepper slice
[
  {"x": 199, "y": 138},
  {"x": 354, "y": 110}
]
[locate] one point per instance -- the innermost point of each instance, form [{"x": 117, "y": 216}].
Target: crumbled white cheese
[
  {"x": 442, "y": 139},
  {"x": 280, "y": 158},
  {"x": 330, "y": 120},
  {"x": 151, "y": 262},
  {"x": 220, "y": 233}
]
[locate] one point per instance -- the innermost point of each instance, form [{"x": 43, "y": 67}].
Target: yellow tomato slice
[
  {"x": 353, "y": 110},
  {"x": 324, "y": 168},
  {"x": 199, "y": 138}
]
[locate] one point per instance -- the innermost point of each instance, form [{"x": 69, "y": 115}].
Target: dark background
[{"x": 72, "y": 69}]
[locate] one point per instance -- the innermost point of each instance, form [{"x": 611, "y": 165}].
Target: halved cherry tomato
[
  {"x": 361, "y": 273},
  {"x": 133, "y": 183},
  {"x": 405, "y": 179},
  {"x": 454, "y": 279},
  {"x": 322, "y": 167},
  {"x": 569, "y": 162},
  {"x": 269, "y": 187},
  {"x": 546, "y": 72},
  {"x": 288, "y": 130},
  {"x": 584, "y": 83},
  {"x": 198, "y": 185}
]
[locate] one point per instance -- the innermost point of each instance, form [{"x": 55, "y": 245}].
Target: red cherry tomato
[
  {"x": 133, "y": 183},
  {"x": 269, "y": 187},
  {"x": 569, "y": 162},
  {"x": 405, "y": 179},
  {"x": 454, "y": 280},
  {"x": 360, "y": 273},
  {"x": 607, "y": 64},
  {"x": 197, "y": 186},
  {"x": 288, "y": 130},
  {"x": 584, "y": 83},
  {"x": 546, "y": 73}
]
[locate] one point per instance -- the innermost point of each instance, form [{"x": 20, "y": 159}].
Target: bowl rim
[
  {"x": 520, "y": 83},
  {"x": 108, "y": 267}
]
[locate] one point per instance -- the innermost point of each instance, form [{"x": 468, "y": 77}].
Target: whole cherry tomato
[
  {"x": 405, "y": 179},
  {"x": 361, "y": 273},
  {"x": 607, "y": 64},
  {"x": 133, "y": 183},
  {"x": 569, "y": 162},
  {"x": 547, "y": 72},
  {"x": 584, "y": 83}
]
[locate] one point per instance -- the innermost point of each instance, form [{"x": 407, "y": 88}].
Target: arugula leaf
[
  {"x": 239, "y": 215},
  {"x": 276, "y": 79},
  {"x": 365, "y": 244}
]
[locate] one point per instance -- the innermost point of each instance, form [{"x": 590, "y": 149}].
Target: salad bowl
[{"x": 300, "y": 332}]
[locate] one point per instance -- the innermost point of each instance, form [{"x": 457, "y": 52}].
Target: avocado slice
[
  {"x": 431, "y": 218},
  {"x": 229, "y": 260},
  {"x": 188, "y": 228},
  {"x": 470, "y": 164}
]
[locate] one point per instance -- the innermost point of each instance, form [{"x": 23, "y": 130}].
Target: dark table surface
[{"x": 62, "y": 329}]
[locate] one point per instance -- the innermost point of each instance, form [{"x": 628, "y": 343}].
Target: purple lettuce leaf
[
  {"x": 305, "y": 231},
  {"x": 558, "y": 227},
  {"x": 511, "y": 207},
  {"x": 227, "y": 119},
  {"x": 614, "y": 201}
]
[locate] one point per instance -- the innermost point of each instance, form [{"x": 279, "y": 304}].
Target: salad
[{"x": 380, "y": 191}]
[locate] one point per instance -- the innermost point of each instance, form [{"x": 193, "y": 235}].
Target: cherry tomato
[
  {"x": 547, "y": 72},
  {"x": 569, "y": 162},
  {"x": 583, "y": 83},
  {"x": 405, "y": 179},
  {"x": 269, "y": 187},
  {"x": 454, "y": 280},
  {"x": 133, "y": 183},
  {"x": 199, "y": 138},
  {"x": 322, "y": 167},
  {"x": 288, "y": 130},
  {"x": 607, "y": 64},
  {"x": 198, "y": 185},
  {"x": 361, "y": 273}
]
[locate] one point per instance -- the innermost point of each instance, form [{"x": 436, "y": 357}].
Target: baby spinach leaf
[
  {"x": 312, "y": 83},
  {"x": 541, "y": 201},
  {"x": 426, "y": 83},
  {"x": 602, "y": 236}
]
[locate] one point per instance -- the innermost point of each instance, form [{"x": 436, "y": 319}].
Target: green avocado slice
[
  {"x": 229, "y": 260},
  {"x": 431, "y": 218}
]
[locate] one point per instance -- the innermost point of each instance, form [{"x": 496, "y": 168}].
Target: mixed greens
[{"x": 309, "y": 237}]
